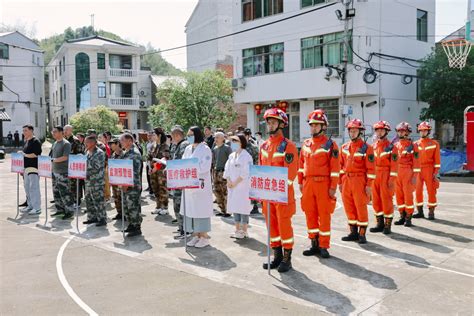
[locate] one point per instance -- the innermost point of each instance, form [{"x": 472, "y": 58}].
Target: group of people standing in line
[{"x": 363, "y": 173}]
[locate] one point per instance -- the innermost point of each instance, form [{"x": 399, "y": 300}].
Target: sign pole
[
  {"x": 268, "y": 237},
  {"x": 123, "y": 213},
  {"x": 17, "y": 195},
  {"x": 46, "y": 199},
  {"x": 77, "y": 205},
  {"x": 184, "y": 222}
]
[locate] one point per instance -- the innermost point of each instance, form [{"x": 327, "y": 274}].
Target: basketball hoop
[{"x": 457, "y": 51}]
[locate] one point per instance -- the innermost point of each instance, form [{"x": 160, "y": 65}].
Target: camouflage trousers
[
  {"x": 117, "y": 198},
  {"x": 220, "y": 190},
  {"x": 95, "y": 202},
  {"x": 158, "y": 183},
  {"x": 63, "y": 200},
  {"x": 132, "y": 205},
  {"x": 177, "y": 207},
  {"x": 73, "y": 188}
]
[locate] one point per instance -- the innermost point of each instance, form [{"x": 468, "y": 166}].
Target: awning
[{"x": 4, "y": 116}]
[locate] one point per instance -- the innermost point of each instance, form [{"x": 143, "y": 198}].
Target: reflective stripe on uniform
[
  {"x": 278, "y": 155},
  {"x": 307, "y": 149},
  {"x": 419, "y": 204},
  {"x": 416, "y": 170},
  {"x": 342, "y": 172},
  {"x": 437, "y": 166},
  {"x": 275, "y": 239},
  {"x": 287, "y": 241},
  {"x": 335, "y": 174},
  {"x": 384, "y": 153},
  {"x": 388, "y": 216},
  {"x": 393, "y": 174},
  {"x": 430, "y": 147},
  {"x": 321, "y": 150},
  {"x": 325, "y": 233},
  {"x": 313, "y": 231},
  {"x": 378, "y": 213},
  {"x": 410, "y": 206},
  {"x": 431, "y": 204},
  {"x": 290, "y": 182},
  {"x": 371, "y": 176},
  {"x": 359, "y": 155},
  {"x": 363, "y": 223},
  {"x": 352, "y": 222},
  {"x": 401, "y": 206},
  {"x": 301, "y": 170},
  {"x": 264, "y": 153},
  {"x": 346, "y": 152}
]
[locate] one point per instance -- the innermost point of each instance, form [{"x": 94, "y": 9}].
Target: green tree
[
  {"x": 447, "y": 90},
  {"x": 100, "y": 118},
  {"x": 158, "y": 65},
  {"x": 197, "y": 99}
]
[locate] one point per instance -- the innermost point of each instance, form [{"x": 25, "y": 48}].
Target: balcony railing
[
  {"x": 123, "y": 103},
  {"x": 117, "y": 72}
]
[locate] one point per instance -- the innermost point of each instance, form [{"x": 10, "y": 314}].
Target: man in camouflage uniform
[
  {"x": 253, "y": 149},
  {"x": 177, "y": 151},
  {"x": 116, "y": 190},
  {"x": 95, "y": 178},
  {"x": 82, "y": 150},
  {"x": 220, "y": 155},
  {"x": 61, "y": 189},
  {"x": 132, "y": 205},
  {"x": 101, "y": 146},
  {"x": 76, "y": 148},
  {"x": 159, "y": 150}
]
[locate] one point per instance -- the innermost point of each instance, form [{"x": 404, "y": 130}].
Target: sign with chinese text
[
  {"x": 182, "y": 174},
  {"x": 77, "y": 166},
  {"x": 121, "y": 172},
  {"x": 44, "y": 166},
  {"x": 17, "y": 163},
  {"x": 269, "y": 184}
]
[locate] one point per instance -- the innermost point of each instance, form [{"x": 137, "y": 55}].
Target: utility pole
[{"x": 92, "y": 21}]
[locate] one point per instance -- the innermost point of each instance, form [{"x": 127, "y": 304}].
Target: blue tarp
[{"x": 452, "y": 161}]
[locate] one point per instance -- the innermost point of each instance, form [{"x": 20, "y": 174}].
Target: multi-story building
[
  {"x": 283, "y": 63},
  {"x": 95, "y": 71},
  {"x": 21, "y": 84}
]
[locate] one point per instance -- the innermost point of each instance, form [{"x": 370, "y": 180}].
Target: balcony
[
  {"x": 128, "y": 75},
  {"x": 121, "y": 103}
]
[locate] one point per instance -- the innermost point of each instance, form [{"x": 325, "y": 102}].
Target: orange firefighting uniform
[
  {"x": 430, "y": 162},
  {"x": 386, "y": 166},
  {"x": 280, "y": 152},
  {"x": 408, "y": 167},
  {"x": 357, "y": 172},
  {"x": 318, "y": 172}
]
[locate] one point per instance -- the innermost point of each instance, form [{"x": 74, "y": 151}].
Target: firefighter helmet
[
  {"x": 318, "y": 117},
  {"x": 403, "y": 126},
  {"x": 382, "y": 124},
  {"x": 355, "y": 123},
  {"x": 276, "y": 114},
  {"x": 424, "y": 126}
]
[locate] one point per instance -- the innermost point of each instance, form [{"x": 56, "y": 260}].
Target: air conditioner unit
[
  {"x": 142, "y": 93},
  {"x": 238, "y": 83},
  {"x": 142, "y": 104}
]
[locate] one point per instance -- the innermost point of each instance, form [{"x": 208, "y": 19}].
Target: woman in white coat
[
  {"x": 237, "y": 174},
  {"x": 198, "y": 202}
]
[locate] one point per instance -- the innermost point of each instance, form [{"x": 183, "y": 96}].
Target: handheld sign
[
  {"x": 17, "y": 163},
  {"x": 269, "y": 184},
  {"x": 121, "y": 172},
  {"x": 182, "y": 174},
  {"x": 77, "y": 166},
  {"x": 44, "y": 166}
]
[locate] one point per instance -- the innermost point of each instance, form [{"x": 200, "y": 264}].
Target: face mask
[
  {"x": 235, "y": 146},
  {"x": 191, "y": 139}
]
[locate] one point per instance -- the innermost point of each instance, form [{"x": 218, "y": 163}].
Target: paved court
[{"x": 425, "y": 269}]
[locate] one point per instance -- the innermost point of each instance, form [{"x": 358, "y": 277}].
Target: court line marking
[{"x": 65, "y": 283}]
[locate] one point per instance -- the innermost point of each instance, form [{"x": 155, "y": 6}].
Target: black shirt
[{"x": 33, "y": 146}]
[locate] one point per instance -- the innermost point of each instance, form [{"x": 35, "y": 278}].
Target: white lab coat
[
  {"x": 238, "y": 197},
  {"x": 199, "y": 201}
]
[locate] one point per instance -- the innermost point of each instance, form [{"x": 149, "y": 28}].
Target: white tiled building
[
  {"x": 22, "y": 83},
  {"x": 285, "y": 61},
  {"x": 99, "y": 71}
]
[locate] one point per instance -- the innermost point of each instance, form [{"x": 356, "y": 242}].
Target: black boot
[
  {"x": 324, "y": 253},
  {"x": 402, "y": 219},
  {"x": 379, "y": 226},
  {"x": 136, "y": 231},
  {"x": 431, "y": 216},
  {"x": 129, "y": 228},
  {"x": 420, "y": 213},
  {"x": 285, "y": 264},
  {"x": 353, "y": 235},
  {"x": 23, "y": 204},
  {"x": 313, "y": 249},
  {"x": 362, "y": 239},
  {"x": 387, "y": 229},
  {"x": 277, "y": 258},
  {"x": 408, "y": 220}
]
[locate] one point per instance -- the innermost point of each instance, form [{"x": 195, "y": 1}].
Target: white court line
[{"x": 65, "y": 283}]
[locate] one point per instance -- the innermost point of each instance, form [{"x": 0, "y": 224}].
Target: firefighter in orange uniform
[
  {"x": 278, "y": 151},
  {"x": 407, "y": 171},
  {"x": 383, "y": 188},
  {"x": 318, "y": 175},
  {"x": 356, "y": 177},
  {"x": 430, "y": 162}
]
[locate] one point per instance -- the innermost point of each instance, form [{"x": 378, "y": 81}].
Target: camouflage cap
[
  {"x": 114, "y": 141},
  {"x": 91, "y": 131},
  {"x": 177, "y": 128}
]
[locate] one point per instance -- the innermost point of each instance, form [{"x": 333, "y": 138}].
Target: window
[
  {"x": 64, "y": 63},
  {"x": 1, "y": 83},
  {"x": 323, "y": 49},
  {"x": 36, "y": 119},
  {"x": 64, "y": 92},
  {"x": 309, "y": 3},
  {"x": 41, "y": 102},
  {"x": 38, "y": 61},
  {"x": 331, "y": 107},
  {"x": 422, "y": 25},
  {"x": 60, "y": 94},
  {"x": 34, "y": 85},
  {"x": 4, "y": 51},
  {"x": 100, "y": 61},
  {"x": 60, "y": 68},
  {"x": 263, "y": 60},
  {"x": 256, "y": 9},
  {"x": 120, "y": 61},
  {"x": 83, "y": 84},
  {"x": 102, "y": 89},
  {"x": 33, "y": 58}
]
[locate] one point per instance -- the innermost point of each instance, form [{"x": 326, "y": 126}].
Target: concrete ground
[{"x": 425, "y": 269}]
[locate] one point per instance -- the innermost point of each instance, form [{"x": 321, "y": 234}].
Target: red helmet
[
  {"x": 355, "y": 123},
  {"x": 403, "y": 126},
  {"x": 382, "y": 124},
  {"x": 424, "y": 126},
  {"x": 318, "y": 116},
  {"x": 276, "y": 114}
]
